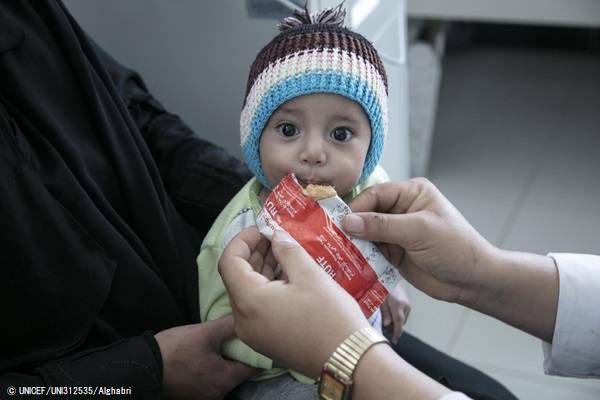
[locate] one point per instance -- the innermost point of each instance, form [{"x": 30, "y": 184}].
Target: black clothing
[
  {"x": 449, "y": 371},
  {"x": 96, "y": 179}
]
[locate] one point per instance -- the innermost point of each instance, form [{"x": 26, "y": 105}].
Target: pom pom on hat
[
  {"x": 314, "y": 53},
  {"x": 332, "y": 16}
]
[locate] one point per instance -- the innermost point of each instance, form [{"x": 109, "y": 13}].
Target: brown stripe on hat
[{"x": 319, "y": 37}]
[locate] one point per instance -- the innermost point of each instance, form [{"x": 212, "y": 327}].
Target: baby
[{"x": 315, "y": 105}]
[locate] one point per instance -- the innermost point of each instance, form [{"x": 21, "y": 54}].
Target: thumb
[
  {"x": 386, "y": 228},
  {"x": 295, "y": 262},
  {"x": 238, "y": 275}
]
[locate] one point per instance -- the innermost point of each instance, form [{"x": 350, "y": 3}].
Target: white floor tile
[
  {"x": 484, "y": 339},
  {"x": 570, "y": 172},
  {"x": 542, "y": 229},
  {"x": 435, "y": 322},
  {"x": 527, "y": 387}
]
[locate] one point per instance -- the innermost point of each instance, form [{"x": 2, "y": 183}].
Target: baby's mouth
[{"x": 305, "y": 182}]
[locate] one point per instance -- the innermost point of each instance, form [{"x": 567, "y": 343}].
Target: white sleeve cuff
[{"x": 575, "y": 349}]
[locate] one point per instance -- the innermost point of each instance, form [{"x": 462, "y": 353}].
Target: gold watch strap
[{"x": 344, "y": 359}]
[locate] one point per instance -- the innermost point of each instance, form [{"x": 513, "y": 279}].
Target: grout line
[
  {"x": 521, "y": 198},
  {"x": 535, "y": 170}
]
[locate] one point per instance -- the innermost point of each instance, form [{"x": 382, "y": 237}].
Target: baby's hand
[{"x": 394, "y": 312}]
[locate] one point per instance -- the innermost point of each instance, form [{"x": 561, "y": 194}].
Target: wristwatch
[{"x": 336, "y": 382}]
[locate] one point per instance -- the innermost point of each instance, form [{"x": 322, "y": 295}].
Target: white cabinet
[{"x": 584, "y": 13}]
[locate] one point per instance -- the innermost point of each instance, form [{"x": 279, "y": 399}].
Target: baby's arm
[{"x": 394, "y": 312}]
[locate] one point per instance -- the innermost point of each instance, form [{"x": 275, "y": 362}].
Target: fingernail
[{"x": 354, "y": 224}]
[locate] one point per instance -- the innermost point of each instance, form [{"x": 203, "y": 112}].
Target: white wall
[
  {"x": 194, "y": 55},
  {"x": 585, "y": 13}
]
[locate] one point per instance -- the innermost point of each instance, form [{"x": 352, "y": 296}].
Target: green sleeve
[
  {"x": 214, "y": 303},
  {"x": 377, "y": 177}
]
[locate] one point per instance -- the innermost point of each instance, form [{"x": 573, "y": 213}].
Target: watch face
[{"x": 330, "y": 388}]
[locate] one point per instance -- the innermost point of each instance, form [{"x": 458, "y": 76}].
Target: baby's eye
[
  {"x": 342, "y": 134},
  {"x": 287, "y": 130}
]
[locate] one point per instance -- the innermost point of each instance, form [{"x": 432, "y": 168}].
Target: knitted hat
[{"x": 314, "y": 53}]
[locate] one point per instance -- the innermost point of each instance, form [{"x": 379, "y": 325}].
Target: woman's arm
[{"x": 300, "y": 322}]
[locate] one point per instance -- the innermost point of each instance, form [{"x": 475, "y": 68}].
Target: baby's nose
[{"x": 313, "y": 151}]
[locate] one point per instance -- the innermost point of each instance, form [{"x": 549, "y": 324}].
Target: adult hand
[
  {"x": 442, "y": 250},
  {"x": 309, "y": 314},
  {"x": 445, "y": 257},
  {"x": 193, "y": 367}
]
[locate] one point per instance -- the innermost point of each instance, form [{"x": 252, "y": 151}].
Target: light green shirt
[{"x": 239, "y": 214}]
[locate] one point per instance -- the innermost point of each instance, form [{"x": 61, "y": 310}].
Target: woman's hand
[
  {"x": 445, "y": 257},
  {"x": 300, "y": 322},
  {"x": 309, "y": 314},
  {"x": 443, "y": 253}
]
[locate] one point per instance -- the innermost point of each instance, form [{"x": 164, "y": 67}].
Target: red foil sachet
[{"x": 357, "y": 265}]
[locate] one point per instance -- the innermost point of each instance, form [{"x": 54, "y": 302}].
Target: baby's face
[{"x": 323, "y": 138}]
